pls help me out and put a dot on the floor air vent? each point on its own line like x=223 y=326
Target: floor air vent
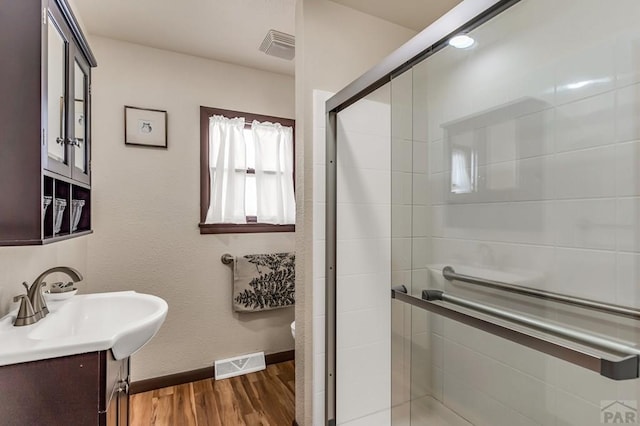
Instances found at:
x=239 y=365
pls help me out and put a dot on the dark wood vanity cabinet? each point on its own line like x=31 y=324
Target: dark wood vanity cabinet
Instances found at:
x=86 y=389
x=45 y=123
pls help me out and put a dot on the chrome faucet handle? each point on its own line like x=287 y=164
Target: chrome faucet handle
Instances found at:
x=26 y=315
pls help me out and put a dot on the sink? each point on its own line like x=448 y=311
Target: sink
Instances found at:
x=121 y=321
x=130 y=319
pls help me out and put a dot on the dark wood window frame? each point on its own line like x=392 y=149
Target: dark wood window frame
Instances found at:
x=205 y=190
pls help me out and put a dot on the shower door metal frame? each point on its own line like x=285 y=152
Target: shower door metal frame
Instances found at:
x=465 y=17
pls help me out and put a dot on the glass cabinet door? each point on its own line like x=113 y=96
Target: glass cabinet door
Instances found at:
x=68 y=82
x=56 y=132
x=80 y=119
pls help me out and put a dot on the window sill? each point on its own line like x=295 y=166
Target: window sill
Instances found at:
x=248 y=228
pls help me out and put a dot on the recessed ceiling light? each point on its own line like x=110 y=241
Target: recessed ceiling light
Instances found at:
x=461 y=41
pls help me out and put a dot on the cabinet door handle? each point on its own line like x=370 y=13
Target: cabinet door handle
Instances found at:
x=60 y=141
x=72 y=142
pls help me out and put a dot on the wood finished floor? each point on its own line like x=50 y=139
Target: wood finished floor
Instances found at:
x=262 y=398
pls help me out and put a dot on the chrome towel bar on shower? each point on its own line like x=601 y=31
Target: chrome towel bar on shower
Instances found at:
x=626 y=366
x=450 y=274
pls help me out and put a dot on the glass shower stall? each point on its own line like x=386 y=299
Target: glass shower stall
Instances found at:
x=483 y=222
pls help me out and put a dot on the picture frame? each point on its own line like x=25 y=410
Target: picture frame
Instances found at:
x=145 y=127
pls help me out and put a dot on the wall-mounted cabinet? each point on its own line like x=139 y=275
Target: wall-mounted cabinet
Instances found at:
x=45 y=123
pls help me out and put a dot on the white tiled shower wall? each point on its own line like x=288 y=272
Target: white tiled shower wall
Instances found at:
x=319 y=130
x=409 y=251
x=363 y=261
x=558 y=204
x=363 y=343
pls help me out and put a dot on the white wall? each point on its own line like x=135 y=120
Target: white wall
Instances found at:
x=334 y=46
x=146 y=204
x=18 y=264
x=557 y=204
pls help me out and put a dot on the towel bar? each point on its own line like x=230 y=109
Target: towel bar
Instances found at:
x=625 y=367
x=227 y=259
x=450 y=274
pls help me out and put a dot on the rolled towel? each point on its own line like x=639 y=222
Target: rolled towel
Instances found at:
x=263 y=282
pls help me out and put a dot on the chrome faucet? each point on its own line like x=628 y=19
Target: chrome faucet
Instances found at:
x=34 y=297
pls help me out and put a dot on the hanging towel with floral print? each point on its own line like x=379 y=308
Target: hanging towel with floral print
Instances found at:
x=263 y=281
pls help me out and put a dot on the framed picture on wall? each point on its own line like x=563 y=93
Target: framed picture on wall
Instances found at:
x=145 y=127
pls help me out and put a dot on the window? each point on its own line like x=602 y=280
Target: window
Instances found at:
x=246 y=172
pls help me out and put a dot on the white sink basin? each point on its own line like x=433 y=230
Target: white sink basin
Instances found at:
x=121 y=321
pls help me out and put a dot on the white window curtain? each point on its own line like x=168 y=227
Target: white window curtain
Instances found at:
x=460 y=179
x=227 y=170
x=274 y=173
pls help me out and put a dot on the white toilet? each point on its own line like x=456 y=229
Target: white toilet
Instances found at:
x=293 y=330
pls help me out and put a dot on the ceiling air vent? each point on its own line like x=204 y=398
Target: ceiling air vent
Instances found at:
x=279 y=44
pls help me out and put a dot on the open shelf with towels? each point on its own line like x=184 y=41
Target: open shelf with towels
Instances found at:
x=66 y=209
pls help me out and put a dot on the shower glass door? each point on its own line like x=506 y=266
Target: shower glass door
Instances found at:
x=515 y=161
